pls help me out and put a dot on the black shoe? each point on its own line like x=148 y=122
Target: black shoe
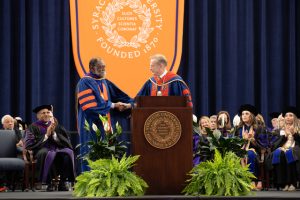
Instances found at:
x=62 y=187
x=50 y=188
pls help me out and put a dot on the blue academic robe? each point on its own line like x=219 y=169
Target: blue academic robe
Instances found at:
x=252 y=151
x=95 y=96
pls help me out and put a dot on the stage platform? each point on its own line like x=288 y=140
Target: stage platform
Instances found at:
x=261 y=195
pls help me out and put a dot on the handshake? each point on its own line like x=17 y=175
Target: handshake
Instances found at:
x=122 y=106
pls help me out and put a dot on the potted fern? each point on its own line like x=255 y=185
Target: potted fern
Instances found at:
x=110 y=177
x=110 y=170
x=223 y=176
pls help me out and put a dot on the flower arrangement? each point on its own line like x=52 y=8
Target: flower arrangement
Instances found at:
x=105 y=145
x=110 y=171
x=222 y=144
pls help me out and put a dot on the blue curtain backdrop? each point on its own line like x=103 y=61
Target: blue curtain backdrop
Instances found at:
x=36 y=59
x=242 y=51
x=234 y=52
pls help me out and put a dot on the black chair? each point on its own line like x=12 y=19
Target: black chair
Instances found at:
x=9 y=163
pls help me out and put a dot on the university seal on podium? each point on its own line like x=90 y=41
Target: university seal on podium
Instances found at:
x=162 y=129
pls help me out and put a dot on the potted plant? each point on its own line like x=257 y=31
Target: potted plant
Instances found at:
x=110 y=177
x=110 y=170
x=106 y=144
x=222 y=144
x=222 y=176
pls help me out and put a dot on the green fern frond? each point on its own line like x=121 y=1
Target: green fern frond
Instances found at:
x=224 y=176
x=228 y=183
x=110 y=177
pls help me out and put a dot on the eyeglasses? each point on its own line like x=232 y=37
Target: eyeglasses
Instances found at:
x=102 y=66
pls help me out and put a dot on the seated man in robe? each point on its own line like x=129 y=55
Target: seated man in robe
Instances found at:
x=51 y=147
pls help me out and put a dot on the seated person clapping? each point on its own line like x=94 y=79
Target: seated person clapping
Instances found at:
x=285 y=157
x=51 y=147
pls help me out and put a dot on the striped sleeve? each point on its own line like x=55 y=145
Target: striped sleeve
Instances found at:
x=186 y=92
x=86 y=99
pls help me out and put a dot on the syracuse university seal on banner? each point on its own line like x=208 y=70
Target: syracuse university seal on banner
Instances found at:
x=125 y=33
x=127 y=23
x=162 y=129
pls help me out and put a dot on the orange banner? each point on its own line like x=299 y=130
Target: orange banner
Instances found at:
x=125 y=33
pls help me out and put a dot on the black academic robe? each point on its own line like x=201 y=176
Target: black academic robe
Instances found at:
x=53 y=156
x=287 y=173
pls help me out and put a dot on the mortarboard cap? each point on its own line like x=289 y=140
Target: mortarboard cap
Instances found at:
x=274 y=115
x=291 y=109
x=249 y=108
x=37 y=109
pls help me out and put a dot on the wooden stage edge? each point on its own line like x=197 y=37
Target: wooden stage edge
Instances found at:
x=265 y=195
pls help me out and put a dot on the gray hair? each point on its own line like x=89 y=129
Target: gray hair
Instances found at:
x=5 y=117
x=94 y=61
x=161 y=59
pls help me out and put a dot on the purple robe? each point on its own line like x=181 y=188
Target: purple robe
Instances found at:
x=45 y=151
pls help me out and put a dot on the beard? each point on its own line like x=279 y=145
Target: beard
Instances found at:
x=102 y=74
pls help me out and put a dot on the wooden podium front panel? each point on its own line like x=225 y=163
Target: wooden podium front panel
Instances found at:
x=165 y=170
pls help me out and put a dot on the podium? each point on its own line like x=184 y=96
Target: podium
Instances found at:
x=162 y=136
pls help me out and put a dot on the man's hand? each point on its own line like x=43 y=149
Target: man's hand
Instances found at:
x=127 y=106
x=52 y=127
x=118 y=106
x=20 y=144
x=122 y=106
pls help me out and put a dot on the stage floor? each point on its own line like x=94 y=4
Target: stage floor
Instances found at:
x=266 y=195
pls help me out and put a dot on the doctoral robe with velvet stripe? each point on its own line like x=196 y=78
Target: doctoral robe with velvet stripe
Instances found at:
x=46 y=151
x=169 y=85
x=253 y=150
x=95 y=96
x=286 y=164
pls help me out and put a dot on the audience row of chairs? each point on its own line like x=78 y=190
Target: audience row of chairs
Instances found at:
x=10 y=165
x=15 y=167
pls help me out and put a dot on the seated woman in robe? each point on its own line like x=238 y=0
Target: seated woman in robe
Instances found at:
x=285 y=157
x=204 y=123
x=249 y=131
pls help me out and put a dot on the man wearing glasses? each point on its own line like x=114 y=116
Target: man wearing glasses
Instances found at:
x=51 y=147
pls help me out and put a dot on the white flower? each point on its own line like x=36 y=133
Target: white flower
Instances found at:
x=106 y=126
x=94 y=126
x=282 y=132
x=236 y=120
x=217 y=134
x=222 y=120
x=195 y=118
